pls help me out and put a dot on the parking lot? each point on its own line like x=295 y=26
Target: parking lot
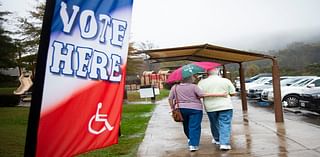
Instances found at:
x=292 y=113
x=300 y=95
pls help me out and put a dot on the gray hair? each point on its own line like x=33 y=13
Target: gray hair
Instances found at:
x=214 y=71
x=187 y=80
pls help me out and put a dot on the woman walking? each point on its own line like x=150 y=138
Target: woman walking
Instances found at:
x=188 y=95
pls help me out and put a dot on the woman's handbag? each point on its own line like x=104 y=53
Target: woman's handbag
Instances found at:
x=176 y=114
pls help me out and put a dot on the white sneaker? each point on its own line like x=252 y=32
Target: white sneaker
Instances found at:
x=193 y=148
x=225 y=147
x=215 y=142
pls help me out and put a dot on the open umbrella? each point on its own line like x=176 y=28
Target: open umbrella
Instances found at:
x=190 y=69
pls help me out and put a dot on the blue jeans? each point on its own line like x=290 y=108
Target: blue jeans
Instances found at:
x=220 y=124
x=192 y=125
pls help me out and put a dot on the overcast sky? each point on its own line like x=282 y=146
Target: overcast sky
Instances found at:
x=240 y=24
x=18 y=7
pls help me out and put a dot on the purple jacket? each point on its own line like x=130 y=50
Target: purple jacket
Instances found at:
x=188 y=95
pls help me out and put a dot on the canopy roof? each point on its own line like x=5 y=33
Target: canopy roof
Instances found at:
x=204 y=52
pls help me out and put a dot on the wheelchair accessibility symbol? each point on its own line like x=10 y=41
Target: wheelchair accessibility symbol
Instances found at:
x=99 y=118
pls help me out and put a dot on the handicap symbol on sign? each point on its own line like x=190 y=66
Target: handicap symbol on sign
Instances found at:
x=99 y=118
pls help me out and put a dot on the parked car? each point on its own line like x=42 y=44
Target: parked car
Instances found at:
x=258 y=82
x=256 y=92
x=251 y=79
x=290 y=95
x=310 y=100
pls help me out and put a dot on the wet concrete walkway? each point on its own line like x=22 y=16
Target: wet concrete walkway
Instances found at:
x=253 y=134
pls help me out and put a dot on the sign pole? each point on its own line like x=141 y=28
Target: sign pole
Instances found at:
x=34 y=113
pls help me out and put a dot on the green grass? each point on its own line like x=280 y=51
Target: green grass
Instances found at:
x=135 y=95
x=13 y=124
x=13 y=127
x=163 y=93
x=7 y=90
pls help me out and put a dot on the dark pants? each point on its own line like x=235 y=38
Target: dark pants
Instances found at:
x=192 y=125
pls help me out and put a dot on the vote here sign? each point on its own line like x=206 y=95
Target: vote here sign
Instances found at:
x=84 y=76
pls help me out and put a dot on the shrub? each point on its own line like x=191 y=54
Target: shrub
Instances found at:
x=8 y=81
x=167 y=85
x=9 y=100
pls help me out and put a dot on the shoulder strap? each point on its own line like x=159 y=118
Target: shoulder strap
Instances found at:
x=177 y=101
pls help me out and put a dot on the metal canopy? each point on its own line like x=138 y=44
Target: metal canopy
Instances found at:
x=204 y=52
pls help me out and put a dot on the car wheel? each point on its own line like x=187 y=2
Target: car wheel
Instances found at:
x=291 y=101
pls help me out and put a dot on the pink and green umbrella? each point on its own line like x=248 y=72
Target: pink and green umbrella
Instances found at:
x=190 y=69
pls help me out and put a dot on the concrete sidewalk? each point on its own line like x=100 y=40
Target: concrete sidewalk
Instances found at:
x=253 y=134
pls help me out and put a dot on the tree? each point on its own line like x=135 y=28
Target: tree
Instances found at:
x=252 y=70
x=30 y=32
x=7 y=53
x=313 y=69
x=30 y=29
x=147 y=45
x=299 y=55
x=134 y=62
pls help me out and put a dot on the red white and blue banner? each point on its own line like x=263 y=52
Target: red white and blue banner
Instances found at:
x=84 y=76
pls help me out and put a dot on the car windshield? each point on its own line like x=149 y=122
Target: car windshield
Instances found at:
x=281 y=80
x=262 y=80
x=302 y=83
x=289 y=81
x=269 y=82
x=254 y=78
